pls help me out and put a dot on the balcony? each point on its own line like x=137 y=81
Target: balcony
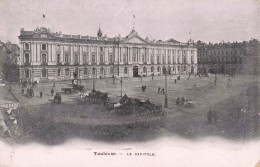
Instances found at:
x=93 y=63
x=111 y=63
x=76 y=64
x=27 y=64
x=59 y=64
x=101 y=63
x=44 y=64
x=66 y=64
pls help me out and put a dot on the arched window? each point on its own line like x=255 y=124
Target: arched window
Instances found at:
x=163 y=56
x=152 y=59
x=158 y=69
x=27 y=59
x=85 y=59
x=169 y=59
x=134 y=57
x=67 y=72
x=144 y=70
x=152 y=68
x=27 y=46
x=85 y=71
x=124 y=59
x=111 y=59
x=44 y=46
x=158 y=59
x=173 y=59
x=93 y=71
x=125 y=70
x=58 y=58
x=184 y=59
x=111 y=70
x=143 y=58
x=93 y=59
x=101 y=59
x=66 y=58
x=76 y=59
x=44 y=58
x=44 y=73
x=102 y=71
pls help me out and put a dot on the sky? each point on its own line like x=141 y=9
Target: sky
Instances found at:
x=207 y=20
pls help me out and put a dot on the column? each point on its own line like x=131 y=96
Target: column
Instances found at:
x=80 y=55
x=39 y=52
x=71 y=54
x=61 y=54
x=53 y=53
x=49 y=53
x=130 y=55
x=106 y=50
x=98 y=56
x=32 y=54
x=89 y=54
x=21 y=54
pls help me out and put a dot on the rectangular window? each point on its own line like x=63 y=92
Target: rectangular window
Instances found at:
x=27 y=73
x=44 y=73
x=67 y=72
x=44 y=46
x=58 y=72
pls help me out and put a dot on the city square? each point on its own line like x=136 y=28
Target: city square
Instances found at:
x=226 y=98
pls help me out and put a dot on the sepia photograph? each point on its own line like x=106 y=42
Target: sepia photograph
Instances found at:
x=115 y=83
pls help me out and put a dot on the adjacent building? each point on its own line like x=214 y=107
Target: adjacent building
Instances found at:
x=229 y=58
x=45 y=56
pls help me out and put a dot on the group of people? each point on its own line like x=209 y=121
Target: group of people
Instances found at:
x=160 y=90
x=212 y=117
x=30 y=91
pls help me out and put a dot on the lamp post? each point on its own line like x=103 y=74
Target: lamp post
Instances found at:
x=93 y=81
x=121 y=82
x=166 y=98
x=216 y=74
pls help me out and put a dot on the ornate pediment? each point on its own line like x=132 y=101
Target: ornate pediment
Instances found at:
x=135 y=40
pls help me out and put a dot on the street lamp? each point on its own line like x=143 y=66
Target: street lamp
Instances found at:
x=166 y=98
x=216 y=74
x=93 y=80
x=121 y=82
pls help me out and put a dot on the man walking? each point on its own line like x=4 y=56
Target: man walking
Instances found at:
x=52 y=91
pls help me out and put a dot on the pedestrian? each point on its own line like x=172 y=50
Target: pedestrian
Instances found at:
x=214 y=116
x=22 y=90
x=40 y=94
x=159 y=88
x=52 y=91
x=209 y=116
x=163 y=90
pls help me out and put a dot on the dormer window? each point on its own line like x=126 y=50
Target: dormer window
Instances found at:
x=27 y=46
x=44 y=46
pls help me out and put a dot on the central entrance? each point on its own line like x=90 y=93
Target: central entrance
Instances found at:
x=135 y=71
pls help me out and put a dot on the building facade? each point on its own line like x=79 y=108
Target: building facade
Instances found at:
x=55 y=56
x=229 y=58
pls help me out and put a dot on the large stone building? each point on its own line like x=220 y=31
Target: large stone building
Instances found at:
x=229 y=58
x=55 y=56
